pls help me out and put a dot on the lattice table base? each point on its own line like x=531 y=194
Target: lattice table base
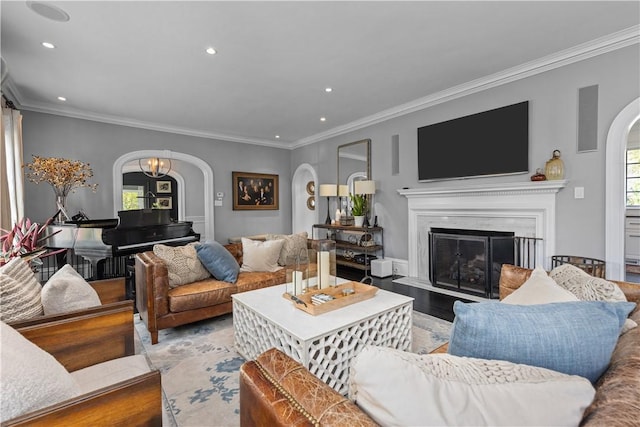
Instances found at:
x=328 y=355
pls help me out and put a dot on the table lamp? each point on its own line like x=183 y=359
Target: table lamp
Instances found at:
x=343 y=191
x=328 y=190
x=368 y=188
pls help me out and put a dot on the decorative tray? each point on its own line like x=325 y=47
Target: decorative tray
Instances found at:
x=339 y=299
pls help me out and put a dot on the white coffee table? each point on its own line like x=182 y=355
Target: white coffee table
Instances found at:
x=325 y=343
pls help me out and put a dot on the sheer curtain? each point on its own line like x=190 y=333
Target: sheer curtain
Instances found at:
x=11 y=177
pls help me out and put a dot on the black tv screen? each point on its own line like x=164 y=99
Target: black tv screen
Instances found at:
x=494 y=142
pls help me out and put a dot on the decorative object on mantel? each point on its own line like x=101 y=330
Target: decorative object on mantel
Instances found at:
x=554 y=168
x=155 y=167
x=538 y=176
x=64 y=175
x=25 y=240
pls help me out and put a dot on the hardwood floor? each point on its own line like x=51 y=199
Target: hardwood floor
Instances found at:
x=430 y=303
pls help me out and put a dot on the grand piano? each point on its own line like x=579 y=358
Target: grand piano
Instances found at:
x=134 y=231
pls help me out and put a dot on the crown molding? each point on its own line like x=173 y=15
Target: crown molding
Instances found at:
x=600 y=46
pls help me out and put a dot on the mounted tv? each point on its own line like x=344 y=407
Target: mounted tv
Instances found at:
x=494 y=142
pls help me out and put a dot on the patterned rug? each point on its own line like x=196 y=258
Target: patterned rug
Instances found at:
x=199 y=367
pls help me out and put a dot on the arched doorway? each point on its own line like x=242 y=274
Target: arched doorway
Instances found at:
x=119 y=168
x=615 y=190
x=302 y=217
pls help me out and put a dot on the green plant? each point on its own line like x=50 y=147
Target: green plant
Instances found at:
x=26 y=240
x=358 y=204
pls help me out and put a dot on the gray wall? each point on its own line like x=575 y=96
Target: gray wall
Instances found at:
x=101 y=144
x=553 y=122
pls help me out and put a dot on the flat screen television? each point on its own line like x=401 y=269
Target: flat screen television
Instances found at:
x=494 y=142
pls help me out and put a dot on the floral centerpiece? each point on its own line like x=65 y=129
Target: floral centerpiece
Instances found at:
x=64 y=175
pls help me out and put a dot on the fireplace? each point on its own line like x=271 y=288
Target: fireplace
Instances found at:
x=469 y=261
x=528 y=209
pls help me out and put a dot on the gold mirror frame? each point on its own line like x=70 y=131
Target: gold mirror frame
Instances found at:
x=350 y=153
x=311 y=203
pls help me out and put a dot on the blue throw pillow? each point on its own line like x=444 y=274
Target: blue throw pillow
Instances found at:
x=219 y=261
x=575 y=338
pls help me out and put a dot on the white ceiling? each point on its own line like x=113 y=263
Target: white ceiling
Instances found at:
x=143 y=63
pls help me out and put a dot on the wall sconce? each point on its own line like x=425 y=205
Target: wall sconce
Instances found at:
x=368 y=188
x=328 y=190
x=155 y=167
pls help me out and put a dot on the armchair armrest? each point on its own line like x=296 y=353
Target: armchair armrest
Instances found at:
x=136 y=401
x=77 y=341
x=110 y=290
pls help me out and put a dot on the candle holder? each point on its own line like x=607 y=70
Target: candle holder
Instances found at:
x=324 y=254
x=297 y=271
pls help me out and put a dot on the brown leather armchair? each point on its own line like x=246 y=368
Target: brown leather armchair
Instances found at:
x=77 y=341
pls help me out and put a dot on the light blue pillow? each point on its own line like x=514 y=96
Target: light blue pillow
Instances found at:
x=575 y=338
x=219 y=261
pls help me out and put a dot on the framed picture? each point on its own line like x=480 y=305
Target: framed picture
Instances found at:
x=164 y=202
x=254 y=191
x=163 y=186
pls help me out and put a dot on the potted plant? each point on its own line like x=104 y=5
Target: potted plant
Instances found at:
x=358 y=208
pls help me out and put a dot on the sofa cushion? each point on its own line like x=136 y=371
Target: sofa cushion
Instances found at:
x=66 y=291
x=19 y=292
x=260 y=256
x=218 y=261
x=539 y=289
x=295 y=245
x=182 y=263
x=203 y=293
x=110 y=372
x=441 y=389
x=31 y=378
x=575 y=338
x=588 y=288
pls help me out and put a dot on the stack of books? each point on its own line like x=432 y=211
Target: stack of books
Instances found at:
x=318 y=299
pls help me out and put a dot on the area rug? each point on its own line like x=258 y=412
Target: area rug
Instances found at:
x=199 y=367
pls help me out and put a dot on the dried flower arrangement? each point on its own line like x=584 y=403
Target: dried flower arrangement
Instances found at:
x=26 y=240
x=64 y=175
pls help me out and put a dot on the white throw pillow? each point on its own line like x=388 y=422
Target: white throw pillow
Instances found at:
x=588 y=288
x=442 y=389
x=539 y=289
x=295 y=245
x=31 y=378
x=19 y=292
x=66 y=291
x=260 y=256
x=182 y=263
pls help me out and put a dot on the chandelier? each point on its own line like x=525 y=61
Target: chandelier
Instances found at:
x=155 y=167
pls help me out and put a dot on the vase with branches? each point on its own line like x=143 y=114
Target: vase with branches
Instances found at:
x=64 y=176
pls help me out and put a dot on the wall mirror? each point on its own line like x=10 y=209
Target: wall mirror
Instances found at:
x=354 y=162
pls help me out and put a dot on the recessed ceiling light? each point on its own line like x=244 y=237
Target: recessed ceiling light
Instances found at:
x=211 y=51
x=49 y=11
x=48 y=45
x=277 y=136
x=62 y=98
x=323 y=119
x=328 y=89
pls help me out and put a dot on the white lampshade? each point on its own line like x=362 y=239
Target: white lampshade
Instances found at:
x=343 y=190
x=328 y=190
x=365 y=187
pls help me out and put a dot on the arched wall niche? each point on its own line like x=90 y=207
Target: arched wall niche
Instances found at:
x=120 y=166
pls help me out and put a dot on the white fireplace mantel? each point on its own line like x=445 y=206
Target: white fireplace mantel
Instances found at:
x=527 y=209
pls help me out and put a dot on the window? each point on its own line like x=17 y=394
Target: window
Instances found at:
x=633 y=177
x=132 y=197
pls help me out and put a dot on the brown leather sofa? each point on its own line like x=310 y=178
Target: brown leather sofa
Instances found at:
x=161 y=307
x=276 y=390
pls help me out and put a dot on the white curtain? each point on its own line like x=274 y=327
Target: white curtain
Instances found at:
x=11 y=176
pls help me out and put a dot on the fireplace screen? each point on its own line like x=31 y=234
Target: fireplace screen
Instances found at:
x=469 y=260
